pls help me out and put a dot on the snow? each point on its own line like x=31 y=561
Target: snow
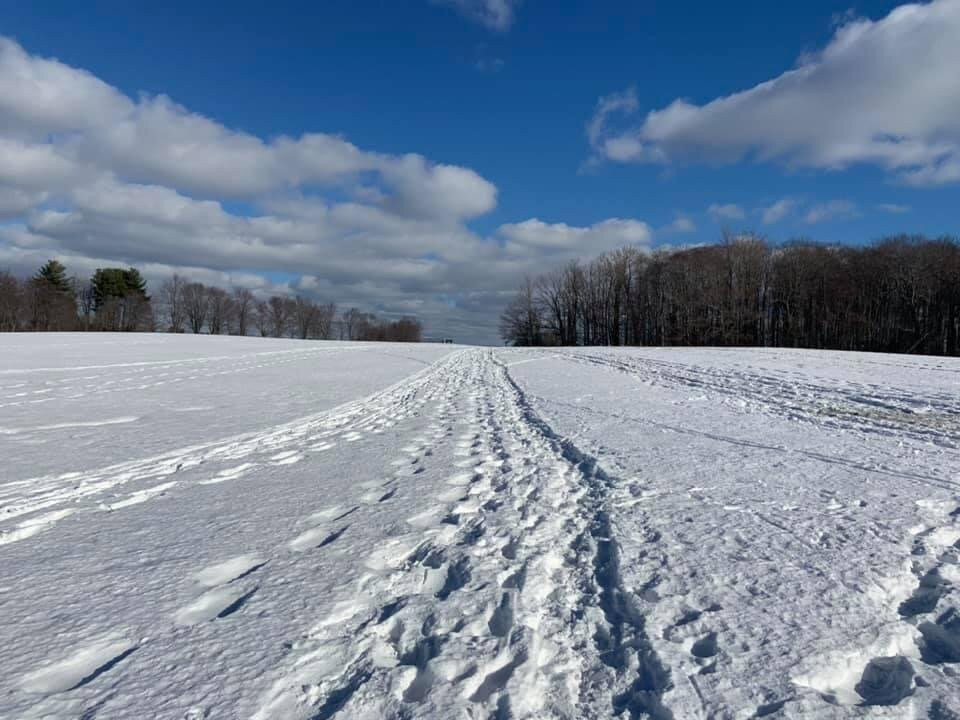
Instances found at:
x=206 y=527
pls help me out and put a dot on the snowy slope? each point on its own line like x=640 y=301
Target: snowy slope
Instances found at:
x=243 y=528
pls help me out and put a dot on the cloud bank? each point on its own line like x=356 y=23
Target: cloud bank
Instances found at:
x=882 y=93
x=95 y=177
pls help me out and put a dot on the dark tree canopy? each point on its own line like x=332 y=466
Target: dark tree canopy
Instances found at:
x=117 y=283
x=120 y=299
x=901 y=294
x=49 y=301
x=54 y=275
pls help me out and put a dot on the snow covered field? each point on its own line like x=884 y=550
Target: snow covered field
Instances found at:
x=206 y=527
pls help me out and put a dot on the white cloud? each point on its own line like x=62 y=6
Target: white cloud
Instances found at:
x=681 y=224
x=536 y=238
x=36 y=166
x=881 y=92
x=94 y=178
x=893 y=208
x=156 y=141
x=832 y=210
x=727 y=211
x=494 y=14
x=40 y=96
x=778 y=211
x=15 y=201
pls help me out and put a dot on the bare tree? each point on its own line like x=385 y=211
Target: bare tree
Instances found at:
x=901 y=294
x=406 y=329
x=520 y=322
x=85 y=300
x=172 y=303
x=219 y=308
x=263 y=318
x=304 y=317
x=279 y=315
x=11 y=303
x=325 y=317
x=196 y=305
x=243 y=306
x=350 y=324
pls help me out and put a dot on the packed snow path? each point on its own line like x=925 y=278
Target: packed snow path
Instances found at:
x=472 y=533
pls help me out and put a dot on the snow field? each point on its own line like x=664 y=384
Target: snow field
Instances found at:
x=465 y=532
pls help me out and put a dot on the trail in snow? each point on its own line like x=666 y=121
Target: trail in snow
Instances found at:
x=771 y=550
x=525 y=534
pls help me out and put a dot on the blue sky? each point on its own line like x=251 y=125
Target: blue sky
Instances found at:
x=504 y=91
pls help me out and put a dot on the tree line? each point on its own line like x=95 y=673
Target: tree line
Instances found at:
x=116 y=299
x=901 y=294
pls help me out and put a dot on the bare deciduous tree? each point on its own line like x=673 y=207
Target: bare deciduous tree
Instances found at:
x=219 y=309
x=279 y=315
x=172 y=303
x=243 y=306
x=263 y=319
x=196 y=305
x=901 y=294
x=11 y=303
x=304 y=315
x=521 y=322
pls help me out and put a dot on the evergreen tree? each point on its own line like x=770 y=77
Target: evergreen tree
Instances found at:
x=135 y=282
x=120 y=298
x=52 y=305
x=54 y=274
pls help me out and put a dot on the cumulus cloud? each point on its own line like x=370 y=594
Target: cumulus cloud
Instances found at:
x=155 y=140
x=778 y=211
x=536 y=238
x=95 y=178
x=727 y=211
x=832 y=210
x=494 y=14
x=881 y=92
x=680 y=224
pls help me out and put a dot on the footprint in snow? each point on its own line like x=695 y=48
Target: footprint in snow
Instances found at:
x=286 y=458
x=80 y=668
x=217 y=603
x=228 y=571
x=705 y=647
x=316 y=538
x=225 y=598
x=229 y=474
x=140 y=496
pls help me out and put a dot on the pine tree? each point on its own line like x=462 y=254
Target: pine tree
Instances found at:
x=108 y=284
x=54 y=274
x=52 y=305
x=135 y=282
x=120 y=298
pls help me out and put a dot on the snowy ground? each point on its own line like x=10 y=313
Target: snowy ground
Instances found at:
x=244 y=528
